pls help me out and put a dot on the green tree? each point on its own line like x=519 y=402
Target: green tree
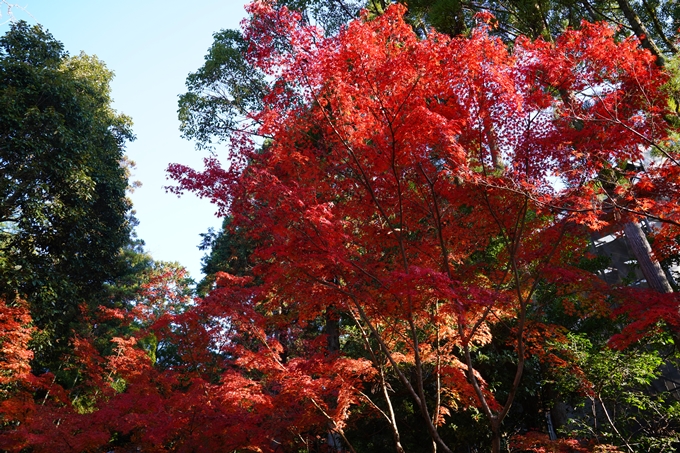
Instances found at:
x=620 y=396
x=228 y=251
x=64 y=214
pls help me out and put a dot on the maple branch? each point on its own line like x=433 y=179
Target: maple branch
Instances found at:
x=613 y=118
x=391 y=418
x=512 y=242
x=519 y=226
x=375 y=406
x=501 y=228
x=414 y=333
x=401 y=105
x=54 y=380
x=366 y=273
x=366 y=183
x=556 y=207
x=438 y=401
x=419 y=394
x=495 y=419
x=365 y=180
x=436 y=212
x=438 y=223
x=611 y=423
x=473 y=379
x=414 y=394
x=643 y=213
x=334 y=426
x=364 y=177
x=522 y=320
x=465 y=339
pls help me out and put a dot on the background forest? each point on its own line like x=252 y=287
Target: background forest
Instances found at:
x=447 y=226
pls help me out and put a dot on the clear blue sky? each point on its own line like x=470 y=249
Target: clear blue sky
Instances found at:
x=151 y=45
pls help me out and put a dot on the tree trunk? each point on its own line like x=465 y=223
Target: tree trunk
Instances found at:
x=333 y=439
x=651 y=269
x=496 y=439
x=641 y=31
x=332 y=331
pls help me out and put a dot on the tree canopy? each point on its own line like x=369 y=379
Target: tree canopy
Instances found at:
x=64 y=214
x=427 y=190
x=413 y=202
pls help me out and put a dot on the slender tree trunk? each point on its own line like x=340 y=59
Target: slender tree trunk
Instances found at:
x=392 y=417
x=651 y=269
x=334 y=438
x=641 y=31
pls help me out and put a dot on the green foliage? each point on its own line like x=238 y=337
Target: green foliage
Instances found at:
x=228 y=251
x=446 y=16
x=221 y=93
x=64 y=215
x=329 y=15
x=621 y=401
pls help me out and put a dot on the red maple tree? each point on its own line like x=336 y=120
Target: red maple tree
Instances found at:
x=423 y=190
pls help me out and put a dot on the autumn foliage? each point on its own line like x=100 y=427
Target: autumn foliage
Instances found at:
x=414 y=202
x=426 y=190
